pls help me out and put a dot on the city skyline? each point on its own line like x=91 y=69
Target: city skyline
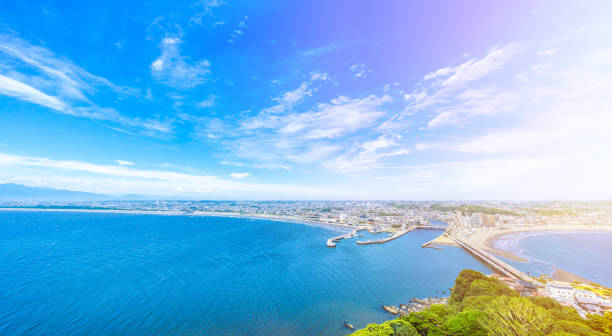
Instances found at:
x=230 y=100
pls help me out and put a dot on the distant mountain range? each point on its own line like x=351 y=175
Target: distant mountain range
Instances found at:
x=17 y=192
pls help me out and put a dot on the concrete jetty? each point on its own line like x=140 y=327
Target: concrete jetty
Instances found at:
x=492 y=261
x=394 y=236
x=331 y=242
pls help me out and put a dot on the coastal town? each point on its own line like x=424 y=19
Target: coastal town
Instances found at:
x=472 y=226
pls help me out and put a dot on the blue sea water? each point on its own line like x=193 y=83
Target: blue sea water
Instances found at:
x=587 y=254
x=69 y=273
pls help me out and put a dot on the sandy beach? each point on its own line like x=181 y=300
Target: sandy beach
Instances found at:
x=486 y=239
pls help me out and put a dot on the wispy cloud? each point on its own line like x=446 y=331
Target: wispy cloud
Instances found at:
x=360 y=70
x=285 y=102
x=320 y=51
x=453 y=94
x=475 y=68
x=239 y=31
x=36 y=75
x=208 y=102
x=17 y=89
x=204 y=10
x=367 y=155
x=175 y=70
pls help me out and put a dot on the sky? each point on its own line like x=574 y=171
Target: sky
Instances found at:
x=223 y=99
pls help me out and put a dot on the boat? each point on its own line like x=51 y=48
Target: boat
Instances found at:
x=348 y=326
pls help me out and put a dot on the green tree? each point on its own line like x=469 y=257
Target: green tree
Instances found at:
x=466 y=323
x=463 y=282
x=515 y=316
x=395 y=327
x=427 y=323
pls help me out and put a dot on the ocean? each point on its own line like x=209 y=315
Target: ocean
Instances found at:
x=71 y=273
x=584 y=253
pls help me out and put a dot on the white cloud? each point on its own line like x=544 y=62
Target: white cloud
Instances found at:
x=174 y=70
x=17 y=89
x=239 y=176
x=124 y=163
x=473 y=103
x=208 y=102
x=475 y=68
x=367 y=155
x=237 y=33
x=206 y=8
x=282 y=136
x=340 y=116
x=360 y=70
x=269 y=116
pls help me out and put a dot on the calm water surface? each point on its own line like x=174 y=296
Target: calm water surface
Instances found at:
x=587 y=254
x=120 y=274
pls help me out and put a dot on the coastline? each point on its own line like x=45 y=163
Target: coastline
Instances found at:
x=486 y=239
x=196 y=214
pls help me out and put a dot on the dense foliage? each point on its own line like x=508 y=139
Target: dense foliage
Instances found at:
x=482 y=306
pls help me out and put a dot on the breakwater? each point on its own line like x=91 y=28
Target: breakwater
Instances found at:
x=390 y=238
x=331 y=242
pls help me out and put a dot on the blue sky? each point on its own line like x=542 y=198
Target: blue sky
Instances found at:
x=311 y=100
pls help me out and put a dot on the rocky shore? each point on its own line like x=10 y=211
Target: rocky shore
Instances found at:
x=414 y=305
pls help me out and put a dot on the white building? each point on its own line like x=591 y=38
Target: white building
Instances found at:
x=560 y=292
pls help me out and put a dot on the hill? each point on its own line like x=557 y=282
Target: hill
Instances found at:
x=17 y=192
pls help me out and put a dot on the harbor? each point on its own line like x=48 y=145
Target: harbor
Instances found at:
x=393 y=235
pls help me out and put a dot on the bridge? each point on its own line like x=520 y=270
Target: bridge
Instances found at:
x=492 y=261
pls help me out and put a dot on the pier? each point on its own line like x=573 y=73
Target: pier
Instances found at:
x=331 y=242
x=495 y=263
x=394 y=236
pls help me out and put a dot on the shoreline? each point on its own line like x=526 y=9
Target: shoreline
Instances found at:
x=194 y=214
x=486 y=240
